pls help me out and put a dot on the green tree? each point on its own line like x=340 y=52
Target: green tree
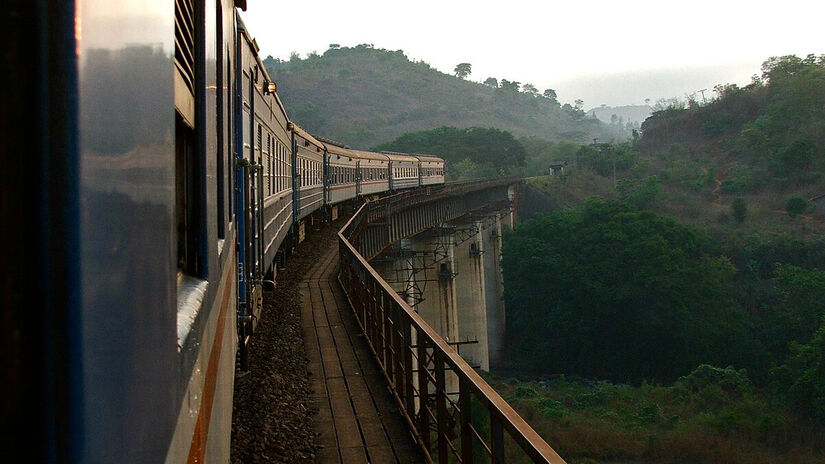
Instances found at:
x=495 y=151
x=610 y=292
x=641 y=193
x=463 y=70
x=512 y=86
x=530 y=88
x=802 y=377
x=491 y=81
x=796 y=205
x=739 y=209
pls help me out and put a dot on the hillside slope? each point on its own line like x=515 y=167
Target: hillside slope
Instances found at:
x=761 y=147
x=364 y=96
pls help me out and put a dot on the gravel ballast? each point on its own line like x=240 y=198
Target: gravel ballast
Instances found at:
x=272 y=416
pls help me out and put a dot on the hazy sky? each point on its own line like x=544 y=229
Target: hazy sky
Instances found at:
x=609 y=52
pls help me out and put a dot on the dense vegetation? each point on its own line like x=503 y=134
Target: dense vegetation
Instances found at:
x=364 y=96
x=609 y=292
x=712 y=416
x=613 y=289
x=469 y=153
x=749 y=161
x=606 y=291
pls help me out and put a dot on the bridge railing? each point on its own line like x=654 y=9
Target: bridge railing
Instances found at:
x=453 y=413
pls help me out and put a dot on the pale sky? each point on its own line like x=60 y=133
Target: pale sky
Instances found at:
x=609 y=52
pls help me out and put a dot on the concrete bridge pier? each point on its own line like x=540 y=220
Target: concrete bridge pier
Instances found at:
x=451 y=275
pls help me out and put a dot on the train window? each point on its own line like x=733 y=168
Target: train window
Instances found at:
x=221 y=151
x=272 y=168
x=230 y=189
x=258 y=146
x=187 y=198
x=279 y=167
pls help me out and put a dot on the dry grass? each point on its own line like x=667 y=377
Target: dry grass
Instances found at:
x=603 y=423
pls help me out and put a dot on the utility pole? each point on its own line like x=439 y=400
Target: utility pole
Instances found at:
x=703 y=96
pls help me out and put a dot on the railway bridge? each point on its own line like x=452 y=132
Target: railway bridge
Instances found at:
x=395 y=339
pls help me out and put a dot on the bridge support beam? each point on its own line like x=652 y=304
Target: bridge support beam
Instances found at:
x=451 y=275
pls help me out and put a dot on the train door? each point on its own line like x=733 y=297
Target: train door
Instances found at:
x=359 y=178
x=246 y=202
x=296 y=187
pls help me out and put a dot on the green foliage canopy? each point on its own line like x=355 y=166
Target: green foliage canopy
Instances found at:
x=492 y=150
x=606 y=291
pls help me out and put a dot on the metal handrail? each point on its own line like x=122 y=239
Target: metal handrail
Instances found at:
x=399 y=338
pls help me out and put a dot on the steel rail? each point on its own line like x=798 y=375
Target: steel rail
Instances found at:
x=399 y=339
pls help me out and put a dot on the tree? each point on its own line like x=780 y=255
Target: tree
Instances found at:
x=463 y=70
x=579 y=103
x=650 y=301
x=530 y=88
x=510 y=85
x=491 y=81
x=491 y=151
x=549 y=93
x=334 y=46
x=640 y=193
x=796 y=205
x=740 y=209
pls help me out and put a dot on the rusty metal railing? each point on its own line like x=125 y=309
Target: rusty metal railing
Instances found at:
x=453 y=413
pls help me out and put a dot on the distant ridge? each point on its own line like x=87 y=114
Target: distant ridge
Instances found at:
x=365 y=96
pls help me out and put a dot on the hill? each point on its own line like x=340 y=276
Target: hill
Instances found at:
x=759 y=148
x=628 y=114
x=365 y=96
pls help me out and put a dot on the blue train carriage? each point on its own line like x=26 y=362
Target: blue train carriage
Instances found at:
x=403 y=170
x=430 y=170
x=372 y=173
x=341 y=175
x=308 y=199
x=135 y=311
x=263 y=183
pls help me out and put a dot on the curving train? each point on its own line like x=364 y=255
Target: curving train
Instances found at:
x=169 y=185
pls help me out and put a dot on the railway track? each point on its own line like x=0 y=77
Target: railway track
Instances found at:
x=358 y=421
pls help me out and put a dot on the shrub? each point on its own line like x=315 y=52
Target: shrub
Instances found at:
x=796 y=205
x=739 y=209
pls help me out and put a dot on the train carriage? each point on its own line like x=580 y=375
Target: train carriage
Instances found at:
x=308 y=155
x=162 y=201
x=268 y=158
x=403 y=170
x=372 y=173
x=430 y=170
x=341 y=172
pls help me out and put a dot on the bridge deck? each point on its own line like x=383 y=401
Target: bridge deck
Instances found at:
x=358 y=419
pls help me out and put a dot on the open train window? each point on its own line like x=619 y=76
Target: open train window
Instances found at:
x=189 y=137
x=219 y=102
x=187 y=198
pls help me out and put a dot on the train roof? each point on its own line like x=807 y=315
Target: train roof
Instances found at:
x=306 y=135
x=396 y=156
x=429 y=158
x=267 y=78
x=371 y=155
x=334 y=149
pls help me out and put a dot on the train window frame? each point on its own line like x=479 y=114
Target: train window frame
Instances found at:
x=219 y=116
x=192 y=219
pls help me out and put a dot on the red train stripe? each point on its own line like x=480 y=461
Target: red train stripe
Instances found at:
x=197 y=449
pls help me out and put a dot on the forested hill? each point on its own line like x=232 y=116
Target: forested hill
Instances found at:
x=365 y=96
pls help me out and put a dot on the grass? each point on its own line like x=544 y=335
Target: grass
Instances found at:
x=706 y=207
x=713 y=423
